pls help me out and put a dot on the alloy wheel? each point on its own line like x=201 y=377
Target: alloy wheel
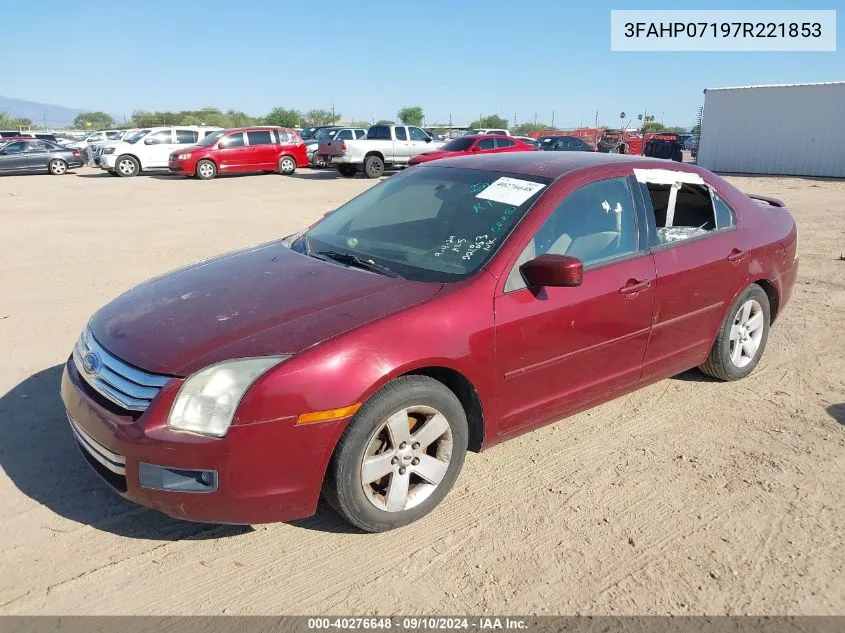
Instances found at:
x=406 y=458
x=746 y=333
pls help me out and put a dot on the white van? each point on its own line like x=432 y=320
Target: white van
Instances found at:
x=149 y=148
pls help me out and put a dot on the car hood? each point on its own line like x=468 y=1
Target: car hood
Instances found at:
x=422 y=158
x=261 y=301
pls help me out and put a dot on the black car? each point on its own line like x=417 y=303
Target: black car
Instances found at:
x=37 y=156
x=666 y=146
x=308 y=133
x=563 y=144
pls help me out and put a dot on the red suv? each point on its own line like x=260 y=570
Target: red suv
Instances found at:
x=239 y=150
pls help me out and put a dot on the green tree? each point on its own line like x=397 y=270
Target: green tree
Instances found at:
x=654 y=126
x=696 y=130
x=362 y=124
x=411 y=115
x=490 y=121
x=11 y=123
x=320 y=117
x=524 y=129
x=283 y=116
x=93 y=121
x=385 y=122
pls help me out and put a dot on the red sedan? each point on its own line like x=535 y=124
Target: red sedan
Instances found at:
x=475 y=144
x=241 y=150
x=446 y=309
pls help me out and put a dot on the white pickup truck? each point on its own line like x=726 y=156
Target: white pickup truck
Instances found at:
x=385 y=147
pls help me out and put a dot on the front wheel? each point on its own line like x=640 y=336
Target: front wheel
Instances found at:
x=399 y=456
x=287 y=165
x=347 y=171
x=742 y=337
x=57 y=167
x=127 y=166
x=206 y=170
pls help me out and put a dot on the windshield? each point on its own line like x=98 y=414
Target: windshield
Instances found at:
x=325 y=135
x=307 y=133
x=458 y=145
x=211 y=139
x=428 y=224
x=136 y=136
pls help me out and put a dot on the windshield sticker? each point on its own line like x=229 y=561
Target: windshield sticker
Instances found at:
x=510 y=191
x=453 y=244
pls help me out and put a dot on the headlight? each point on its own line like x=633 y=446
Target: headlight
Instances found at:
x=184 y=156
x=108 y=150
x=207 y=401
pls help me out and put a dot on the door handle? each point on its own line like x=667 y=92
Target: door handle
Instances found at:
x=634 y=286
x=736 y=255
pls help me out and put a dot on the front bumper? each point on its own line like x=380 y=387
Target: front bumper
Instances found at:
x=262 y=473
x=181 y=168
x=108 y=161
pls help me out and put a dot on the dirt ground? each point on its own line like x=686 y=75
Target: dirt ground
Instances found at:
x=690 y=496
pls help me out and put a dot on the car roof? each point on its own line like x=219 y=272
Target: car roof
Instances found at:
x=255 y=127
x=556 y=164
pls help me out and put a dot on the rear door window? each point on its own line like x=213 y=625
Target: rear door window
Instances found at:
x=504 y=142
x=260 y=137
x=345 y=135
x=486 y=143
x=401 y=135
x=360 y=134
x=186 y=137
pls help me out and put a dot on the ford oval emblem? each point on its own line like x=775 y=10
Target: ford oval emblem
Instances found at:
x=90 y=363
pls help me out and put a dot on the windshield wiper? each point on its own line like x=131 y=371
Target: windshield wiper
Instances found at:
x=353 y=260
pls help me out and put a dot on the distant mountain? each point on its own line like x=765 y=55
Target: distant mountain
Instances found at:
x=56 y=116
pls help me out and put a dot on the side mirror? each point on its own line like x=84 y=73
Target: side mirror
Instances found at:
x=221 y=146
x=553 y=270
x=149 y=141
x=475 y=148
x=3 y=152
x=428 y=139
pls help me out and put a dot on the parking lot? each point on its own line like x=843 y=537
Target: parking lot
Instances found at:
x=690 y=496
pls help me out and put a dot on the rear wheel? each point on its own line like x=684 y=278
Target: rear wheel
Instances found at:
x=287 y=165
x=399 y=456
x=347 y=171
x=206 y=170
x=742 y=337
x=127 y=166
x=57 y=167
x=373 y=167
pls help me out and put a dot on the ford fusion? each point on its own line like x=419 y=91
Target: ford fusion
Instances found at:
x=444 y=310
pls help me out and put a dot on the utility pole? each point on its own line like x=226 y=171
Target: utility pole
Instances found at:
x=535 y=117
x=333 y=116
x=597 y=119
x=553 y=119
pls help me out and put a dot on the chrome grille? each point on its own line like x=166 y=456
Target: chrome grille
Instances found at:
x=115 y=462
x=126 y=386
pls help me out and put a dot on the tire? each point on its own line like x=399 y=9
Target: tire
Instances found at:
x=127 y=166
x=742 y=338
x=373 y=167
x=287 y=165
x=347 y=171
x=57 y=167
x=381 y=433
x=206 y=169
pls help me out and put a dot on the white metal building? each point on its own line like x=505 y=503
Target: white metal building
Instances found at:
x=791 y=129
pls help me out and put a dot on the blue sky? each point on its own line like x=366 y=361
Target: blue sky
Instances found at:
x=371 y=58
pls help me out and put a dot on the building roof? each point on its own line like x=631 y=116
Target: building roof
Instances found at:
x=821 y=83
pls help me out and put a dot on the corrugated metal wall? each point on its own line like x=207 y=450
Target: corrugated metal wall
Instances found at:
x=785 y=130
